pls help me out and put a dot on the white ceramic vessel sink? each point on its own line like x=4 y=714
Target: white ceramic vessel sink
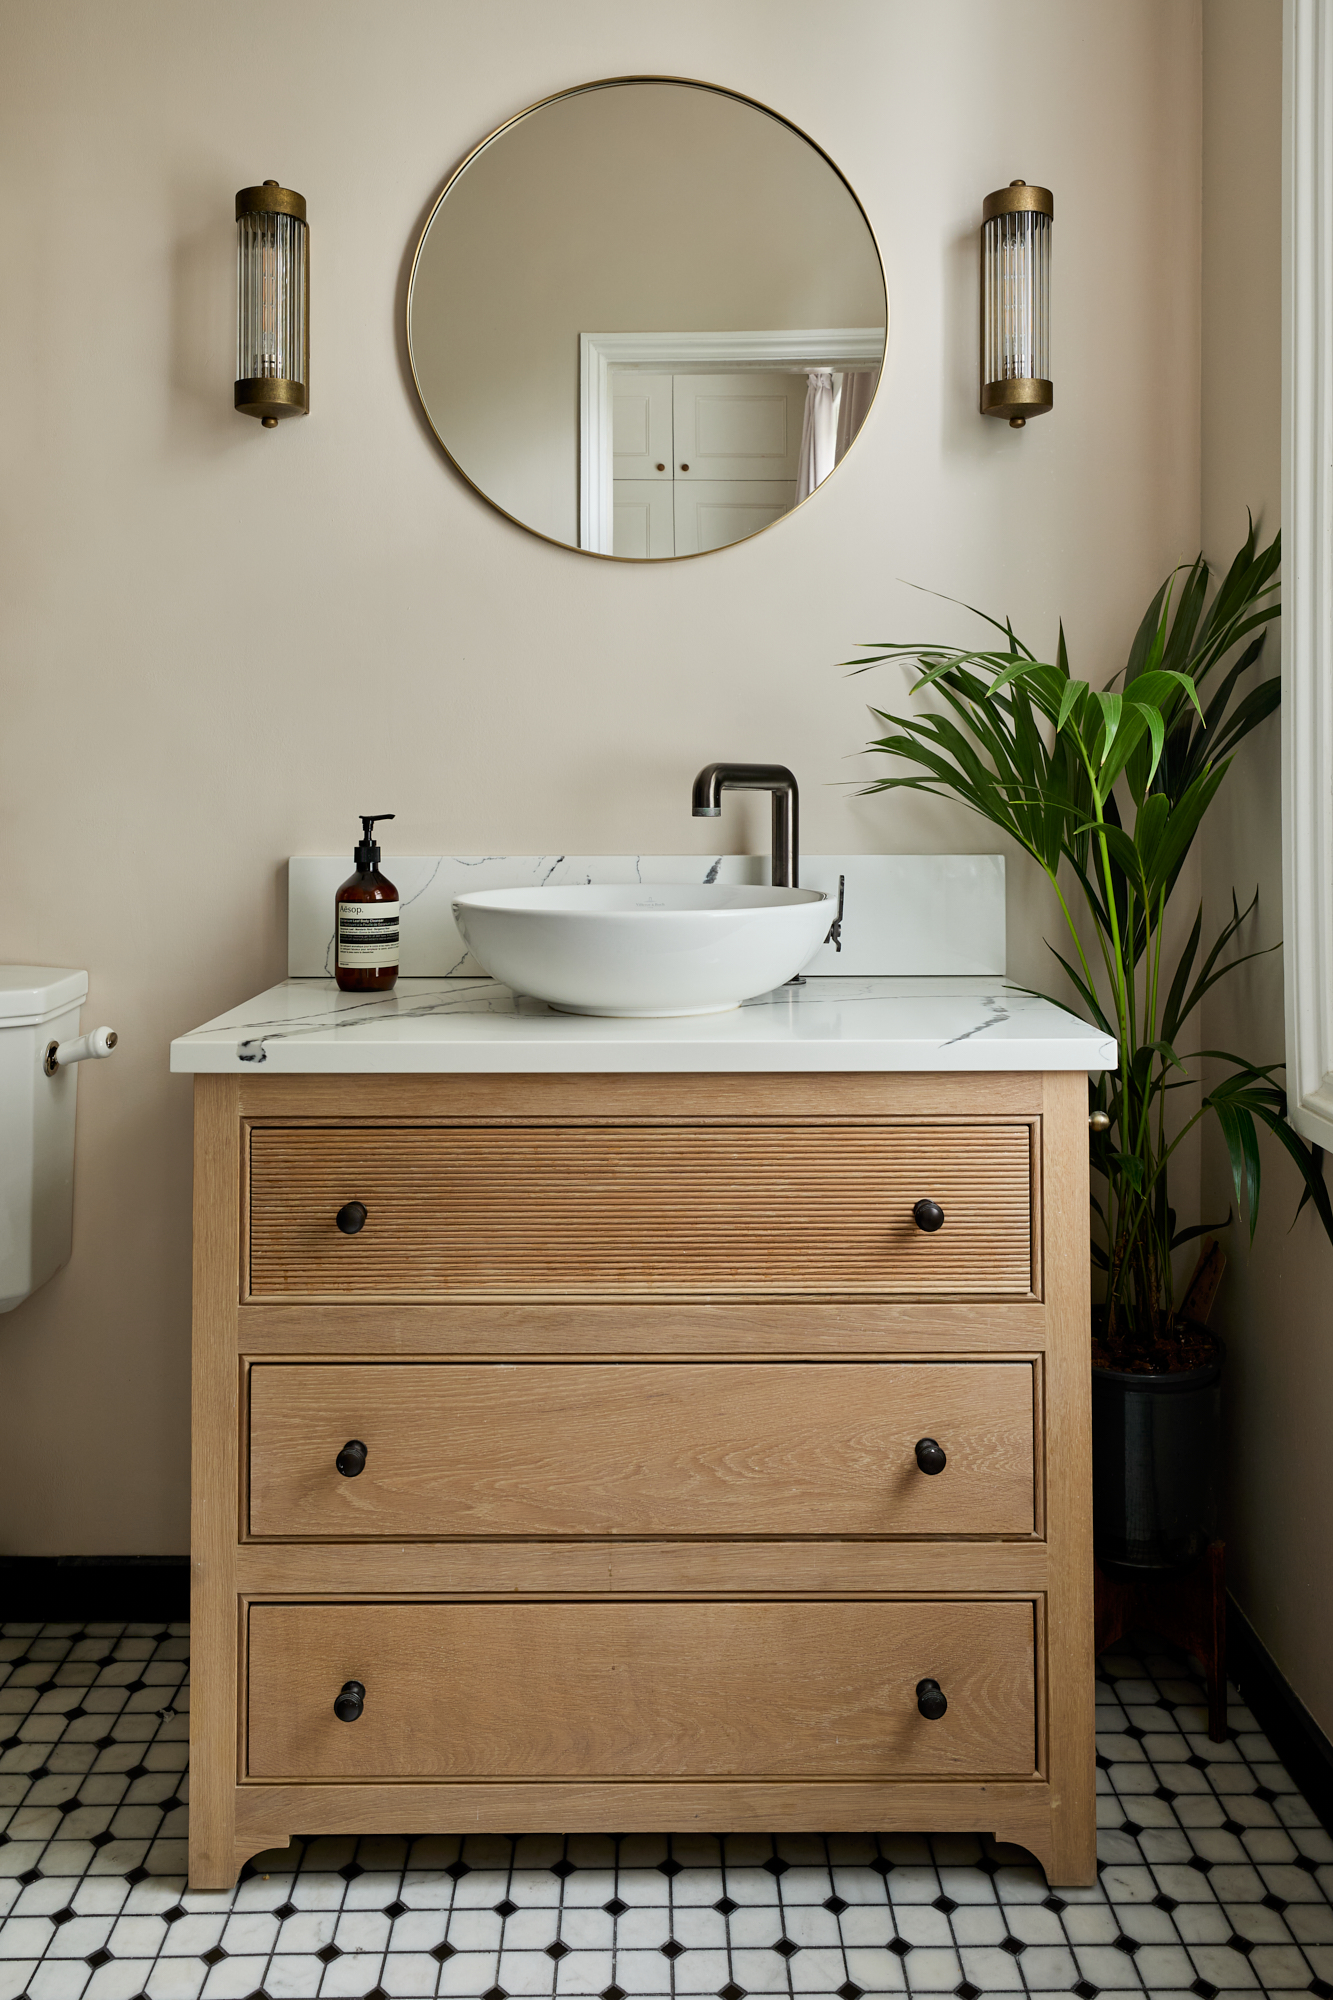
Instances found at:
x=650 y=952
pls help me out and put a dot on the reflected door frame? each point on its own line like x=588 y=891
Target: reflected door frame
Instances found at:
x=838 y=347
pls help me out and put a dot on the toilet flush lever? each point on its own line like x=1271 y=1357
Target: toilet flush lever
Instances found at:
x=87 y=1048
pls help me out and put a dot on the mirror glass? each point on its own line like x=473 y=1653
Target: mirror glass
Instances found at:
x=646 y=318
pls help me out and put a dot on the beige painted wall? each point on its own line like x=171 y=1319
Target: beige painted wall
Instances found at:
x=220 y=643
x=648 y=209
x=1273 y=1309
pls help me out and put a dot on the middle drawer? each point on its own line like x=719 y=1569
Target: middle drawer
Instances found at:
x=462 y=1449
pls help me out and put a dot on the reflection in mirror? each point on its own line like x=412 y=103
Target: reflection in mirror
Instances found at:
x=646 y=318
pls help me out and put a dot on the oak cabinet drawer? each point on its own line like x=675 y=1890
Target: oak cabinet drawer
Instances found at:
x=649 y=1689
x=675 y=1449
x=640 y=1212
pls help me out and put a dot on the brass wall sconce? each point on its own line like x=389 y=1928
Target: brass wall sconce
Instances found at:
x=1016 y=303
x=272 y=304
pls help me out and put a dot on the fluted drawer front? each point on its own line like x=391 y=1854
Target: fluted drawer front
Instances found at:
x=650 y=1689
x=639 y=1212
x=640 y=1449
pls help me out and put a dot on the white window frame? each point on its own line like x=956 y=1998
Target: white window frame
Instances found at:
x=840 y=347
x=1307 y=563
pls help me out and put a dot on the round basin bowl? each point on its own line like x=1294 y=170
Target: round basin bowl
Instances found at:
x=643 y=953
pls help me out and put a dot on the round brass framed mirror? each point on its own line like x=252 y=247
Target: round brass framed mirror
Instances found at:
x=646 y=318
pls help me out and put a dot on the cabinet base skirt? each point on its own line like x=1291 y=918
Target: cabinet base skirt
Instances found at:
x=268 y=1816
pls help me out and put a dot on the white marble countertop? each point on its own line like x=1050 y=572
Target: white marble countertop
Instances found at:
x=307 y=1027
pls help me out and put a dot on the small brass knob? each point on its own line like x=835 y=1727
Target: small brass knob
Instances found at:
x=1099 y=1122
x=684 y=468
x=661 y=468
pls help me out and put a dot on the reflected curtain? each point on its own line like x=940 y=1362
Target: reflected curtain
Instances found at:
x=818 y=434
x=858 y=392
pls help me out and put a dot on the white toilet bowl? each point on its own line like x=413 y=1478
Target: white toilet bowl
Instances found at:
x=39 y=1004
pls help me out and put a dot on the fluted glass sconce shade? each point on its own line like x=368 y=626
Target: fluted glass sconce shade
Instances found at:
x=1016 y=303
x=272 y=304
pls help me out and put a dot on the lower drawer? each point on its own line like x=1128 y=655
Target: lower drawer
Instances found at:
x=650 y=1689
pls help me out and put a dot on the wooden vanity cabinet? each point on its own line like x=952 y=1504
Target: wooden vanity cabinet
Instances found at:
x=697 y=1485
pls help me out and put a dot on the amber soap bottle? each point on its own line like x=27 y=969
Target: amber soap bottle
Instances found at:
x=365 y=914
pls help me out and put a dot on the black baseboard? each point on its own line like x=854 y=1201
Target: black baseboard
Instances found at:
x=94 y=1590
x=1280 y=1713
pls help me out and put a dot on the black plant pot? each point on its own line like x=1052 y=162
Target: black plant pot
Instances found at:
x=1155 y=1448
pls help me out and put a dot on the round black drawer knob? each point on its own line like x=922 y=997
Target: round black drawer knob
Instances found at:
x=927 y=1215
x=929 y=1456
x=351 y=1218
x=929 y=1699
x=351 y=1460
x=352 y=1699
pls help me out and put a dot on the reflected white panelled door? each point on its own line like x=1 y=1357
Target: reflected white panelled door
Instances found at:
x=702 y=460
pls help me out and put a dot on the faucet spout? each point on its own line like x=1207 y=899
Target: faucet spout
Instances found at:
x=706 y=803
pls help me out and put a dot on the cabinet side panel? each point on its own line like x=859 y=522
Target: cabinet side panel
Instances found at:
x=214 y=1496
x=1068 y=1480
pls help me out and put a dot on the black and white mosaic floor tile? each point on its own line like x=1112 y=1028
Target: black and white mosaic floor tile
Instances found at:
x=1216 y=1878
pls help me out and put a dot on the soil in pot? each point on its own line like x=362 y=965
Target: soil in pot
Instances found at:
x=1155 y=1443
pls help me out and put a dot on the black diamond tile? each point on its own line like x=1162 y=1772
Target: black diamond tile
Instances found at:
x=725 y=1905
x=137 y=1771
x=837 y=1905
x=1321 y=1989
x=351 y=1870
x=776 y=1865
x=899 y=1947
x=614 y=1992
x=1232 y=1826
x=458 y=1869
x=394 y=1909
x=1014 y=1946
x=442 y=1951
x=375 y=1993
x=1198 y=1763
x=1056 y=1903
x=1126 y=1944
x=1201 y=1865
x=135 y=1687
x=101 y=1840
x=1164 y=1902
x=672 y=1948
x=1131 y=1827
x=785 y=1948
x=615 y=1908
x=967 y=1991
x=849 y=1990
x=1241 y=1944
x=101 y=1743
x=1132 y=1729
x=1265 y=1793
x=731 y=1991
x=1103 y=1763
x=328 y=1952
x=945 y=1904
x=133 y=1875
x=670 y=1867
x=504 y=1908
x=213 y=1957
x=1272 y=1902
x=285 y=1910
x=557 y=1951
x=1086 y=1990
x=495 y=1993
x=988 y=1865
x=65 y=1916
x=882 y=1866
x=1304 y=1861
x=1204 y=1988
x=96 y=1958
x=173 y=1915
x=1165 y=1792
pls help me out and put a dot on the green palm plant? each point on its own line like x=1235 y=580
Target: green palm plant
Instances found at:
x=1106 y=789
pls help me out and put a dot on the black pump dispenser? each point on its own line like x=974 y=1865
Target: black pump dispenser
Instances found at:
x=367 y=850
x=366 y=913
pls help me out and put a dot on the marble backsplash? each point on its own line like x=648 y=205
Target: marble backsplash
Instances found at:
x=904 y=915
